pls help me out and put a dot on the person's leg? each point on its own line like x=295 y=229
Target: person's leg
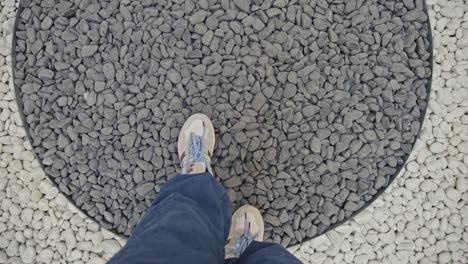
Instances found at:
x=187 y=223
x=189 y=220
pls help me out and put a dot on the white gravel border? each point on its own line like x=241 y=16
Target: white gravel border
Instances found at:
x=422 y=218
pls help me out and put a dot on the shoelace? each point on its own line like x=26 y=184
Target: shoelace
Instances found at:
x=242 y=241
x=196 y=152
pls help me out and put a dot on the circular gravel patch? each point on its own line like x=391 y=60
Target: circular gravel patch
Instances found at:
x=317 y=104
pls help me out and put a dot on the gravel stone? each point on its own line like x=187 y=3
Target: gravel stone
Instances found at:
x=45 y=74
x=243 y=5
x=290 y=90
x=214 y=69
x=46 y=23
x=89 y=50
x=258 y=101
x=174 y=76
x=109 y=71
x=145 y=188
x=198 y=17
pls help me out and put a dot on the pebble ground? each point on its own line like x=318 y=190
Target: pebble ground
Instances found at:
x=314 y=115
x=422 y=218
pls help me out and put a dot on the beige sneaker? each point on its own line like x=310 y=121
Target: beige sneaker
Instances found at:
x=196 y=144
x=247 y=226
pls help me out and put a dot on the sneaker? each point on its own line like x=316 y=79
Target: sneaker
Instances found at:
x=247 y=226
x=196 y=144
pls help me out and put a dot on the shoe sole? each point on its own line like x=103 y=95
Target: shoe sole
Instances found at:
x=184 y=135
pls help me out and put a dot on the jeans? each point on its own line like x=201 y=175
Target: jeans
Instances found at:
x=189 y=222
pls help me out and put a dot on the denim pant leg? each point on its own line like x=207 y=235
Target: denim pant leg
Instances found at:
x=188 y=223
x=265 y=253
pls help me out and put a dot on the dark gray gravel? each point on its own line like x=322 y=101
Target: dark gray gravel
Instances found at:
x=316 y=103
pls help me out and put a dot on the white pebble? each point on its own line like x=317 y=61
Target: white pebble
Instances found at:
x=462 y=184
x=28 y=255
x=437 y=147
x=453 y=194
x=110 y=246
x=26 y=215
x=96 y=260
x=69 y=238
x=3 y=256
x=46 y=255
